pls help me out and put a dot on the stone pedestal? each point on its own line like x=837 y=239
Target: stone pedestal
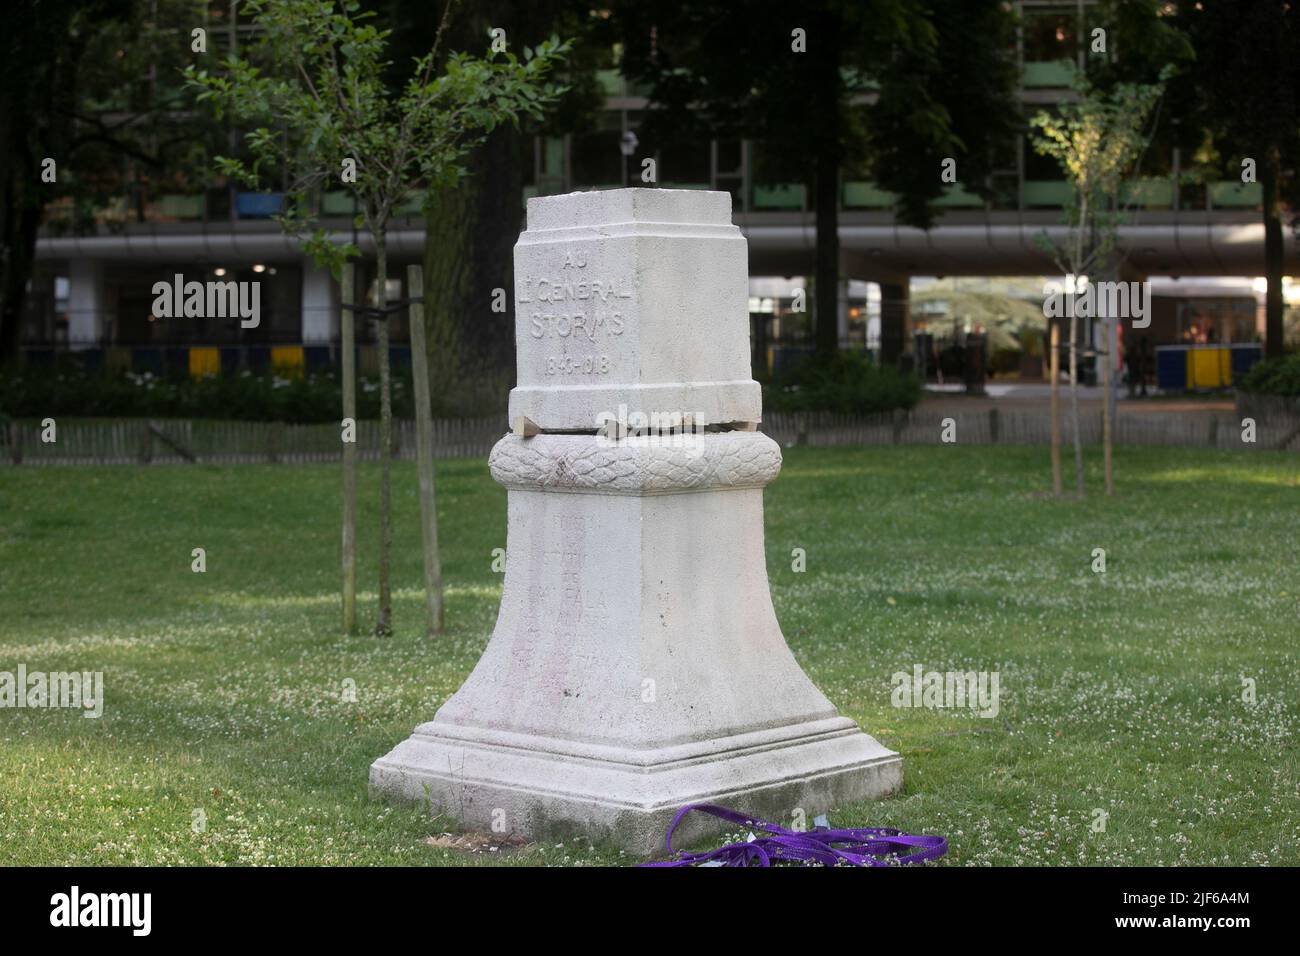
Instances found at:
x=637 y=664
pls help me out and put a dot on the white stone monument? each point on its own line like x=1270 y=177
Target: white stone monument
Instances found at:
x=637 y=664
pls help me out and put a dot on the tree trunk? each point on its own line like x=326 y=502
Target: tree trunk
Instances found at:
x=449 y=263
x=17 y=256
x=1112 y=396
x=470 y=232
x=424 y=455
x=22 y=195
x=1054 y=371
x=828 y=252
x=39 y=77
x=1076 y=267
x=1273 y=329
x=347 y=335
x=384 y=622
x=1107 y=353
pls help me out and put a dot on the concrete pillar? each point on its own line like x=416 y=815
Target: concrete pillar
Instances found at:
x=86 y=303
x=637 y=664
x=320 y=306
x=895 y=322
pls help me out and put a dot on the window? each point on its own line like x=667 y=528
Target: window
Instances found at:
x=1050 y=34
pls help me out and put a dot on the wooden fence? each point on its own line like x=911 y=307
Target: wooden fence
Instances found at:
x=175 y=441
x=224 y=442
x=1031 y=427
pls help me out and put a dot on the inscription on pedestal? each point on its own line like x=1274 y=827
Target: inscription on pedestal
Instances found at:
x=579 y=312
x=637 y=299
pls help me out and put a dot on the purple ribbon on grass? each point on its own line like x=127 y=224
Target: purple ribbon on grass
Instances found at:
x=857 y=846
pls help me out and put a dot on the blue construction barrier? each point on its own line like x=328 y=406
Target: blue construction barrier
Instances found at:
x=317 y=358
x=258 y=205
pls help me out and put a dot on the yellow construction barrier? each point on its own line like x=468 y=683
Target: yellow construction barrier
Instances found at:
x=1209 y=368
x=205 y=362
x=287 y=360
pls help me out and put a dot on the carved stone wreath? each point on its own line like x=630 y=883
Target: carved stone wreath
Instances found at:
x=638 y=465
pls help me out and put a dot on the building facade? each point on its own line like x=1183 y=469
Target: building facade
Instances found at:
x=92 y=294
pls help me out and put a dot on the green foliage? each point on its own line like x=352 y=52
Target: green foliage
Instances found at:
x=1097 y=141
x=1243 y=98
x=1275 y=376
x=120 y=125
x=845 y=382
x=947 y=89
x=85 y=84
x=315 y=82
x=940 y=74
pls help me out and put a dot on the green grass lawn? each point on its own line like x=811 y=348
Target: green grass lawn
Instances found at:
x=1120 y=692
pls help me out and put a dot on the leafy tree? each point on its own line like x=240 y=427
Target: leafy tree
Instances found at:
x=316 y=83
x=1244 y=94
x=1097 y=141
x=470 y=230
x=892 y=87
x=90 y=85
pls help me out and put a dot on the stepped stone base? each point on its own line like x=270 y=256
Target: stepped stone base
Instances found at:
x=637 y=664
x=545 y=789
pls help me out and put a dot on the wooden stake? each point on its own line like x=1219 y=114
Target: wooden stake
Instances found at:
x=1054 y=373
x=347 y=334
x=1107 y=356
x=424 y=452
